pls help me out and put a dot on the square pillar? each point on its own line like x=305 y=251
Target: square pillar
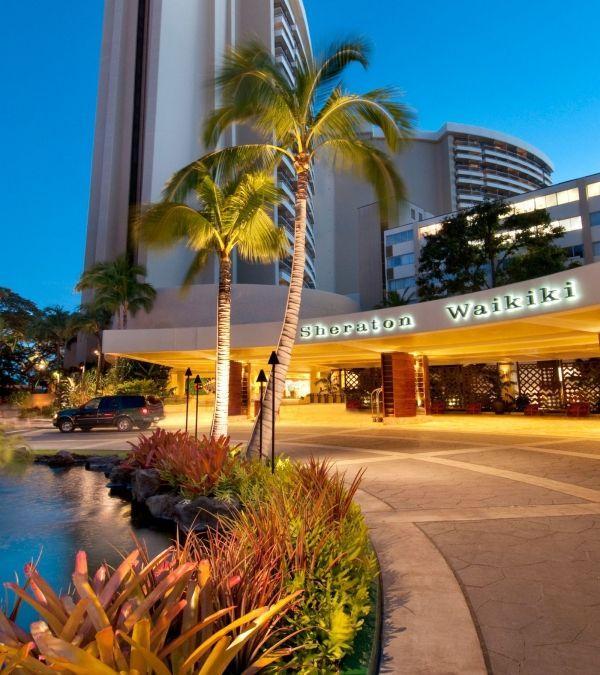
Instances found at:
x=235 y=388
x=399 y=383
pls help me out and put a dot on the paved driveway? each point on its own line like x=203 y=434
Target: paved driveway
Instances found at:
x=489 y=543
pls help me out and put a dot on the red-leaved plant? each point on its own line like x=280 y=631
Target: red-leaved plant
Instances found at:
x=194 y=466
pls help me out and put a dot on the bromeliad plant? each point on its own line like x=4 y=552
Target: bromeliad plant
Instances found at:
x=192 y=466
x=146 y=616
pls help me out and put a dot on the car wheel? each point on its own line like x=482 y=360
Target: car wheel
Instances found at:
x=144 y=425
x=124 y=424
x=66 y=425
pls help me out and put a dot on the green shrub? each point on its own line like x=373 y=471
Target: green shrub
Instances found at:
x=300 y=530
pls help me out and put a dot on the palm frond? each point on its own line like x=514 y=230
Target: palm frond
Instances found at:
x=164 y=224
x=376 y=166
x=196 y=266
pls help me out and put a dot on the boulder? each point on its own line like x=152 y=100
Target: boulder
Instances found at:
x=145 y=483
x=22 y=453
x=99 y=463
x=202 y=513
x=119 y=477
x=163 y=506
x=61 y=458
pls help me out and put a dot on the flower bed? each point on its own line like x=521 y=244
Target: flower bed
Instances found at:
x=292 y=553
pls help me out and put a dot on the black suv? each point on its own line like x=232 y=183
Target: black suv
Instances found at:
x=122 y=412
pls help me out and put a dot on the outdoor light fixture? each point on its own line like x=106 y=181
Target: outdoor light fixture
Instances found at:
x=197 y=382
x=188 y=374
x=273 y=361
x=262 y=378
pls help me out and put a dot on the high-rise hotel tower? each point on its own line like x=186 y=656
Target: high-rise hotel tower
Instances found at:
x=158 y=61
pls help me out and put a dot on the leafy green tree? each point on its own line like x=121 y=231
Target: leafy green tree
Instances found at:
x=473 y=249
x=302 y=119
x=53 y=329
x=118 y=289
x=227 y=216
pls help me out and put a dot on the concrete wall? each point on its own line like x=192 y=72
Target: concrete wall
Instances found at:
x=250 y=304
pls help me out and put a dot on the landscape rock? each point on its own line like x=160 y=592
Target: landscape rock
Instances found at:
x=100 y=463
x=60 y=459
x=22 y=453
x=163 y=506
x=145 y=483
x=119 y=477
x=202 y=513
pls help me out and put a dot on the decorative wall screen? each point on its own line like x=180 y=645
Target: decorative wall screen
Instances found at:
x=540 y=382
x=581 y=381
x=457 y=386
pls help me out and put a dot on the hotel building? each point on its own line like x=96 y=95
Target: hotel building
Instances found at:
x=574 y=205
x=158 y=60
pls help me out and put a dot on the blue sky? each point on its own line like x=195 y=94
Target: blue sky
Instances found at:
x=530 y=68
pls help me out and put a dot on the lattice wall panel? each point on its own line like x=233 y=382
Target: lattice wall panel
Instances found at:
x=540 y=382
x=581 y=381
x=446 y=384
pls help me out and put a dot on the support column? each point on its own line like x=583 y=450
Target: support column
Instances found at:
x=422 y=383
x=177 y=382
x=235 y=388
x=398 y=377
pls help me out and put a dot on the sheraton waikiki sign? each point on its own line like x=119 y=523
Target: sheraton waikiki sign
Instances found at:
x=471 y=311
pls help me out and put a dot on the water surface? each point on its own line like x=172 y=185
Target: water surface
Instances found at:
x=57 y=512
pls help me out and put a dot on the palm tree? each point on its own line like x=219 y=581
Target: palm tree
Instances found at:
x=395 y=299
x=54 y=327
x=92 y=320
x=304 y=119
x=117 y=288
x=228 y=215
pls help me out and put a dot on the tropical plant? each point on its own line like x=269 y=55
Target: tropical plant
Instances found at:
x=395 y=299
x=146 y=616
x=299 y=529
x=118 y=289
x=93 y=319
x=192 y=466
x=302 y=119
x=328 y=383
x=228 y=215
x=473 y=249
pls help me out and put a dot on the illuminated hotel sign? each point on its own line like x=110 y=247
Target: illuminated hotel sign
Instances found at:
x=504 y=304
x=536 y=298
x=359 y=328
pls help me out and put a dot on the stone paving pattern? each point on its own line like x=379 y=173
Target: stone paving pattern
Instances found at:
x=487 y=566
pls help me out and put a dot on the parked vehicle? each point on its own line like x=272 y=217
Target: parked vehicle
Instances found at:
x=123 y=412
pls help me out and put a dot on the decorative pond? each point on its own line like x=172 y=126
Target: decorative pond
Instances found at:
x=51 y=514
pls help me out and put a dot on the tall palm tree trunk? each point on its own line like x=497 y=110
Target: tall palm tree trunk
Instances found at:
x=221 y=411
x=290 y=319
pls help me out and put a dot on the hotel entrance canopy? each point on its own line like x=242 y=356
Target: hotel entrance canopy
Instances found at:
x=557 y=316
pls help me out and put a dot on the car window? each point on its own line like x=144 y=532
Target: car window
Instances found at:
x=92 y=405
x=109 y=403
x=132 y=401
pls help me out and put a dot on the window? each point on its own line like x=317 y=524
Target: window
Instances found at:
x=399 y=237
x=567 y=196
x=595 y=219
x=92 y=405
x=593 y=190
x=570 y=224
x=420 y=217
x=398 y=260
x=409 y=282
x=132 y=401
x=413 y=214
x=574 y=251
x=109 y=403
x=596 y=248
